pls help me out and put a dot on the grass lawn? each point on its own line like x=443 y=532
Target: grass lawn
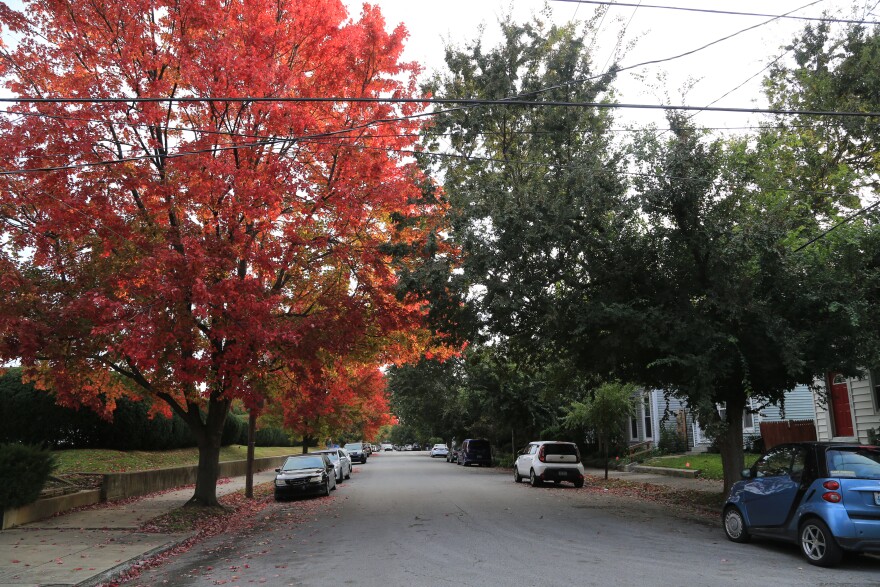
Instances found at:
x=116 y=461
x=708 y=464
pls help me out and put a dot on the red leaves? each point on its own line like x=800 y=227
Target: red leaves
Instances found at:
x=200 y=249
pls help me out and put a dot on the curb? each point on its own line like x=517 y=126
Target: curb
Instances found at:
x=687 y=473
x=115 y=572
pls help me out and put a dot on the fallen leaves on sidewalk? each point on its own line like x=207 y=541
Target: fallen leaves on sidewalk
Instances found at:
x=235 y=511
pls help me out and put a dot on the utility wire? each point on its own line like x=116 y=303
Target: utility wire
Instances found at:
x=846 y=220
x=466 y=101
x=724 y=12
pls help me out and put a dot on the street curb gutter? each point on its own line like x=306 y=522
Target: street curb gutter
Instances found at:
x=114 y=573
x=689 y=473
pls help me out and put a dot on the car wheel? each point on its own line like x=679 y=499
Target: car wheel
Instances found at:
x=327 y=488
x=818 y=544
x=534 y=481
x=579 y=483
x=735 y=525
x=348 y=476
x=516 y=476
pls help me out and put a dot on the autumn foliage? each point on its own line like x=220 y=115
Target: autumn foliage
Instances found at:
x=194 y=247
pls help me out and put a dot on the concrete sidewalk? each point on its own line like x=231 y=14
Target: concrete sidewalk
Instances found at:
x=92 y=546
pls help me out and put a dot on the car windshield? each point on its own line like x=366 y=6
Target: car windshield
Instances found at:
x=334 y=456
x=353 y=446
x=439 y=446
x=560 y=449
x=300 y=463
x=479 y=444
x=857 y=462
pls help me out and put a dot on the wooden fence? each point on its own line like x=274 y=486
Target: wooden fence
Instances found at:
x=775 y=433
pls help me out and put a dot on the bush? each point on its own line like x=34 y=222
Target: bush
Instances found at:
x=503 y=459
x=24 y=470
x=670 y=441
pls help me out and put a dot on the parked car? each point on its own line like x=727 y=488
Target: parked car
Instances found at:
x=374 y=448
x=474 y=451
x=416 y=446
x=549 y=460
x=309 y=474
x=439 y=450
x=386 y=446
x=408 y=447
x=341 y=462
x=368 y=448
x=823 y=496
x=357 y=452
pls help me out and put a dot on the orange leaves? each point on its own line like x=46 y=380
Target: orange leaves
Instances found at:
x=204 y=248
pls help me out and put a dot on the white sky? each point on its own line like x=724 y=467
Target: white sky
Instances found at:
x=657 y=34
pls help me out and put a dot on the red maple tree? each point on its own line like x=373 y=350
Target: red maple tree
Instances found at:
x=194 y=245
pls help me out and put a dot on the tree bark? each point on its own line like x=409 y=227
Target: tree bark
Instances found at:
x=252 y=428
x=208 y=437
x=607 y=442
x=730 y=443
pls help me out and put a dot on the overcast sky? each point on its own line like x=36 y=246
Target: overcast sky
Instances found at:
x=655 y=34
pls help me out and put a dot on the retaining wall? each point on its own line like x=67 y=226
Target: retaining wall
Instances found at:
x=122 y=485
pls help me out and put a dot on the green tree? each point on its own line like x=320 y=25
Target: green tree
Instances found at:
x=607 y=413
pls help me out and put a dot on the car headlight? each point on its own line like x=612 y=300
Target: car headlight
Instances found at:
x=316 y=479
x=279 y=482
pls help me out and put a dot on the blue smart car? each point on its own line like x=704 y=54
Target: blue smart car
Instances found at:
x=823 y=496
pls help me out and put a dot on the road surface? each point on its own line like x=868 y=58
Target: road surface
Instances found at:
x=404 y=519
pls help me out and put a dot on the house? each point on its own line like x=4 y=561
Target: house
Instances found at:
x=851 y=411
x=654 y=409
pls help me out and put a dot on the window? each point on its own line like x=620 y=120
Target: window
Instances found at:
x=875 y=387
x=634 y=427
x=785 y=460
x=646 y=410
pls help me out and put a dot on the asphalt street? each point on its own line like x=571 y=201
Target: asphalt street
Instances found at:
x=406 y=519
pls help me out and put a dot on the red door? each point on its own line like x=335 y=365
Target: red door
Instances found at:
x=840 y=407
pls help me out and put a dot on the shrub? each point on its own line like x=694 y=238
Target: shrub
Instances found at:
x=24 y=470
x=670 y=441
x=503 y=459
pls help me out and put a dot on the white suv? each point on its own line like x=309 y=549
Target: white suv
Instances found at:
x=549 y=460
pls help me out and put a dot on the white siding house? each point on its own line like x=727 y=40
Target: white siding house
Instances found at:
x=848 y=412
x=651 y=407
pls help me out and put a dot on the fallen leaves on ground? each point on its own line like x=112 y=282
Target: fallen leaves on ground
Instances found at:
x=704 y=504
x=234 y=512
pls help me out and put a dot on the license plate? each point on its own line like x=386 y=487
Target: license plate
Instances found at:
x=877 y=497
x=565 y=474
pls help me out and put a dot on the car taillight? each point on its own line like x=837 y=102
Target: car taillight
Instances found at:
x=831 y=485
x=831 y=496
x=541 y=454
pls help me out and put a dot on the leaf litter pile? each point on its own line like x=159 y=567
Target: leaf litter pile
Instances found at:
x=703 y=504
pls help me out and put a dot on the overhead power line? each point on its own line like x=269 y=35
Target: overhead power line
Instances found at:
x=723 y=12
x=447 y=101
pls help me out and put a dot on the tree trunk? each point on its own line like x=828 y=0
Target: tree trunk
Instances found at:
x=730 y=443
x=607 y=442
x=208 y=437
x=252 y=429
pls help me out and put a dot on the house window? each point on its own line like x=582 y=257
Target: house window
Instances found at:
x=634 y=427
x=875 y=387
x=646 y=410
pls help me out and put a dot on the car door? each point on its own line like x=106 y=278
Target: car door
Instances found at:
x=770 y=495
x=524 y=462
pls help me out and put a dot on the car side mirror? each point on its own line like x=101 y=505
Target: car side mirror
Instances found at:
x=746 y=473
x=277 y=470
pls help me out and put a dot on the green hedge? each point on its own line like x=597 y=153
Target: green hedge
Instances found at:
x=48 y=424
x=24 y=470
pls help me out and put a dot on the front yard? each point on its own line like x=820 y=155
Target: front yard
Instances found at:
x=708 y=464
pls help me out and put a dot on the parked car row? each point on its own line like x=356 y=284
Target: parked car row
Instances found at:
x=318 y=472
x=473 y=451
